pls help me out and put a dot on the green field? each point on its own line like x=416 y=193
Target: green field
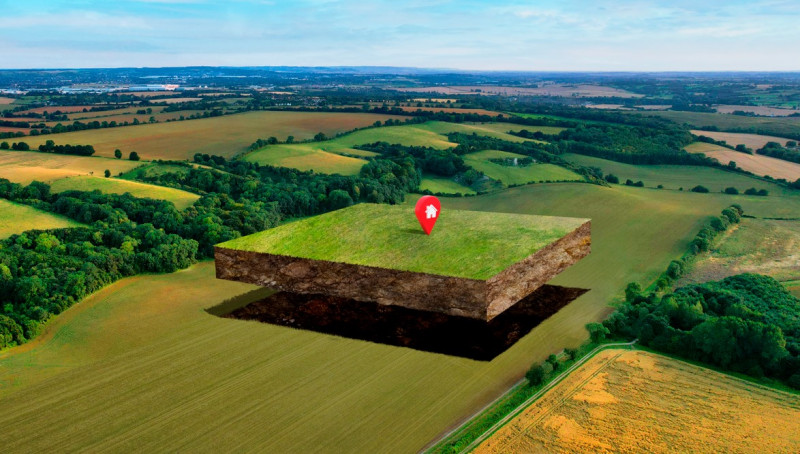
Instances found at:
x=16 y=218
x=514 y=174
x=675 y=177
x=442 y=185
x=430 y=134
x=226 y=136
x=26 y=166
x=467 y=244
x=306 y=158
x=181 y=199
x=141 y=366
x=778 y=126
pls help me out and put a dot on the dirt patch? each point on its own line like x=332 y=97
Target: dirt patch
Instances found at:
x=659 y=405
x=394 y=325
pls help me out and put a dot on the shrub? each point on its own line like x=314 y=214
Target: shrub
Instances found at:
x=700 y=189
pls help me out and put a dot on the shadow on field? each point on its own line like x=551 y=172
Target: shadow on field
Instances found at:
x=399 y=326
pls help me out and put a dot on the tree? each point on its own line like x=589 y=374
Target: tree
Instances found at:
x=272 y=140
x=632 y=291
x=597 y=332
x=700 y=189
x=538 y=373
x=118 y=153
x=108 y=173
x=731 y=190
x=553 y=360
x=320 y=137
x=134 y=156
x=4 y=146
x=290 y=139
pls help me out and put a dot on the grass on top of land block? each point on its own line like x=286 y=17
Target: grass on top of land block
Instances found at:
x=467 y=244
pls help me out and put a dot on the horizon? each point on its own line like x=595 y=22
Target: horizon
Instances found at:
x=473 y=36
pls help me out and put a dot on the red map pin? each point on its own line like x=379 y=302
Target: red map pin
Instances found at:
x=427 y=211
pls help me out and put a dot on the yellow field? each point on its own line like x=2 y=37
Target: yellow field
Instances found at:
x=760 y=246
x=26 y=166
x=754 y=141
x=181 y=199
x=226 y=136
x=634 y=401
x=758 y=110
x=758 y=164
x=304 y=157
x=16 y=218
x=4 y=100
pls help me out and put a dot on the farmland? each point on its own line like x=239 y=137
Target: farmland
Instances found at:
x=567 y=90
x=756 y=163
x=441 y=185
x=676 y=177
x=777 y=126
x=15 y=218
x=758 y=110
x=760 y=246
x=307 y=157
x=181 y=199
x=227 y=135
x=181 y=359
x=643 y=402
x=516 y=174
x=754 y=141
x=26 y=166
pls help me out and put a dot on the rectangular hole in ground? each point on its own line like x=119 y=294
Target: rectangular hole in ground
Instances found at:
x=399 y=326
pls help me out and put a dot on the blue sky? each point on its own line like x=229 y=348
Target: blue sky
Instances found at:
x=566 y=35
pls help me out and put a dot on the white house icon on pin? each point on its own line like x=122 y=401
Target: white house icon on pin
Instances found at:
x=430 y=212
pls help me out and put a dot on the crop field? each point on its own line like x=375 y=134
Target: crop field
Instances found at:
x=431 y=134
x=758 y=110
x=676 y=177
x=181 y=199
x=480 y=161
x=51 y=109
x=141 y=366
x=762 y=246
x=16 y=218
x=227 y=135
x=635 y=401
x=566 y=90
x=26 y=166
x=4 y=100
x=777 y=126
x=413 y=108
x=756 y=163
x=754 y=141
x=441 y=185
x=304 y=157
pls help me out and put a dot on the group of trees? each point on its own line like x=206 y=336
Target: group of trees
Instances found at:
x=746 y=323
x=439 y=162
x=16 y=146
x=77 y=150
x=776 y=150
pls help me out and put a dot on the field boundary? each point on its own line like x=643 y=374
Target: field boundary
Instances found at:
x=430 y=448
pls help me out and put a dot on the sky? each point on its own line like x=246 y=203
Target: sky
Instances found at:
x=566 y=35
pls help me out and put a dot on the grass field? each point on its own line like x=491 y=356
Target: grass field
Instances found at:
x=760 y=246
x=634 y=401
x=754 y=141
x=16 y=218
x=566 y=90
x=141 y=366
x=227 y=135
x=756 y=163
x=516 y=175
x=676 y=177
x=777 y=126
x=441 y=185
x=467 y=244
x=430 y=134
x=307 y=158
x=26 y=166
x=181 y=199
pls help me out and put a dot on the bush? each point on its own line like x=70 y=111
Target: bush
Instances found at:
x=538 y=373
x=134 y=156
x=597 y=332
x=731 y=190
x=700 y=189
x=611 y=178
